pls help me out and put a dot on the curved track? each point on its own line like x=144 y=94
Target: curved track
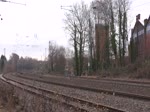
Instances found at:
x=79 y=104
x=93 y=87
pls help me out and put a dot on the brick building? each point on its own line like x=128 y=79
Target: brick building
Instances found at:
x=147 y=37
x=101 y=35
x=140 y=39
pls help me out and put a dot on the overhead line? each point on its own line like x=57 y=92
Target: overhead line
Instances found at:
x=16 y=3
x=141 y=4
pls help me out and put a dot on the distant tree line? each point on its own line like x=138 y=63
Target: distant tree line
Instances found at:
x=3 y=61
x=9 y=65
x=20 y=64
x=54 y=63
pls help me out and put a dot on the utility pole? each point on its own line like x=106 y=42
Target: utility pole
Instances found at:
x=45 y=54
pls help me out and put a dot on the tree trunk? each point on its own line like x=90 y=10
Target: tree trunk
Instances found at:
x=76 y=53
x=120 y=36
x=81 y=55
x=124 y=37
x=113 y=36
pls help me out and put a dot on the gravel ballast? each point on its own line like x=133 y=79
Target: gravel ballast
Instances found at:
x=129 y=105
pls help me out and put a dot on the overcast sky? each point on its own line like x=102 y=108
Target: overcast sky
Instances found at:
x=26 y=30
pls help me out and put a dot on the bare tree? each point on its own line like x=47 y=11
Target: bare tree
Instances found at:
x=60 y=60
x=122 y=7
x=14 y=61
x=56 y=58
x=113 y=33
x=77 y=24
x=51 y=55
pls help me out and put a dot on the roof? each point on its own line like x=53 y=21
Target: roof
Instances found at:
x=138 y=23
x=148 y=20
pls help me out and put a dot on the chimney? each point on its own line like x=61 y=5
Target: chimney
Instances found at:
x=145 y=22
x=138 y=17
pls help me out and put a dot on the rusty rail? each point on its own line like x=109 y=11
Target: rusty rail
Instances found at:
x=118 y=93
x=67 y=98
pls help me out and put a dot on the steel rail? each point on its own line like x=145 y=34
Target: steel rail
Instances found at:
x=143 y=83
x=41 y=94
x=118 y=80
x=81 y=101
x=117 y=93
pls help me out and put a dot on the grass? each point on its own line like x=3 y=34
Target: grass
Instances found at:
x=17 y=100
x=8 y=100
x=138 y=70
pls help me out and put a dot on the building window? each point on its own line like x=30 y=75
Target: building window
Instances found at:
x=141 y=32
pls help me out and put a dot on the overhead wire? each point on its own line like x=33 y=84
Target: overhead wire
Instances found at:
x=134 y=8
x=142 y=4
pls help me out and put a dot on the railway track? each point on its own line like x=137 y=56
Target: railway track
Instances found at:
x=112 y=92
x=78 y=104
x=100 y=79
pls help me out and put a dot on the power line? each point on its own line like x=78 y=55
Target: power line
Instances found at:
x=16 y=3
x=135 y=8
x=66 y=7
x=12 y=2
x=141 y=4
